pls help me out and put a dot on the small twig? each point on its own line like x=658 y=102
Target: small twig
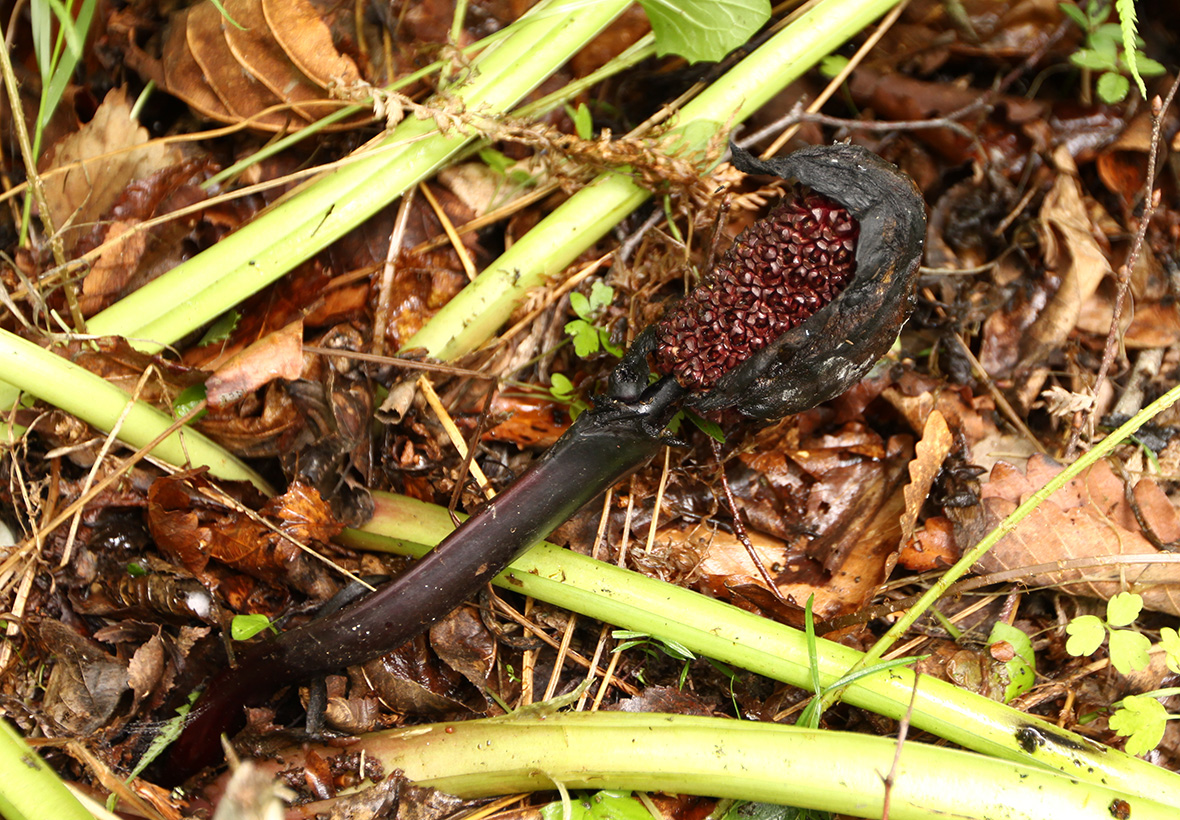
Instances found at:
x=456 y=437
x=449 y=230
x=798 y=115
x=385 y=289
x=903 y=730
x=739 y=529
x=465 y=467
x=868 y=45
x=395 y=361
x=1001 y=400
x=100 y=459
x=1151 y=198
x=655 y=513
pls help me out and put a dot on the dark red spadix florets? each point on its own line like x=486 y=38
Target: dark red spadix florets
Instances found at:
x=777 y=274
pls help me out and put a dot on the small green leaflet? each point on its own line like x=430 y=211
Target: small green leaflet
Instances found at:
x=1021 y=670
x=1141 y=720
x=188 y=398
x=604 y=805
x=245 y=627
x=219 y=331
x=704 y=29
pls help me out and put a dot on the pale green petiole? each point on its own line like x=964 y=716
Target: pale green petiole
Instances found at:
x=725 y=633
x=96 y=401
x=32 y=790
x=745 y=760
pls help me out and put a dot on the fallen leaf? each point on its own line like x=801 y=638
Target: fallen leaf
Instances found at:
x=85 y=684
x=929 y=454
x=81 y=195
x=277 y=355
x=1088 y=518
x=1072 y=251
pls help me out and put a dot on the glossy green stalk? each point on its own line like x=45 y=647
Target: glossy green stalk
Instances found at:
x=29 y=789
x=717 y=630
x=743 y=760
x=477 y=312
x=96 y=401
x=243 y=263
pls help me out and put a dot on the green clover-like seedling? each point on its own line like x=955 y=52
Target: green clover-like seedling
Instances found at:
x=1086 y=634
x=588 y=336
x=1141 y=719
x=1123 y=609
x=1170 y=641
x=1128 y=648
x=245 y=627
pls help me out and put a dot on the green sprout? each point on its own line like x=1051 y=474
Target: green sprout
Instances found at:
x=583 y=122
x=1139 y=718
x=1111 y=49
x=590 y=337
x=564 y=391
x=649 y=644
x=245 y=627
x=603 y=805
x=1127 y=648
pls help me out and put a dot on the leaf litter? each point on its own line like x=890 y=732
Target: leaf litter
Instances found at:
x=1030 y=219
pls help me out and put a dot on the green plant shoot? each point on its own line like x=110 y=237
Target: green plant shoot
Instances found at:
x=1127 y=648
x=1111 y=49
x=588 y=336
x=245 y=627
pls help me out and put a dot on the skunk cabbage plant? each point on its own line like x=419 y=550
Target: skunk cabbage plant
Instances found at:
x=794 y=313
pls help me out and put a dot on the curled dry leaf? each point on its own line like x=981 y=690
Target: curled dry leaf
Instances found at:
x=854 y=505
x=79 y=196
x=1072 y=251
x=284 y=55
x=194 y=531
x=85 y=684
x=1088 y=520
x=277 y=355
x=929 y=454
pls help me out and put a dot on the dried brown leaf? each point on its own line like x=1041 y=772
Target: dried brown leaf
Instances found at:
x=237 y=89
x=85 y=685
x=929 y=454
x=277 y=355
x=260 y=55
x=1073 y=252
x=1088 y=518
x=81 y=195
x=298 y=27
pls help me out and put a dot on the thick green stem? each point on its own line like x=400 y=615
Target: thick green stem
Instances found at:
x=476 y=313
x=251 y=258
x=744 y=760
x=98 y=402
x=31 y=790
x=726 y=633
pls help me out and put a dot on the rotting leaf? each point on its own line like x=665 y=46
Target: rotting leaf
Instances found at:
x=929 y=453
x=83 y=194
x=85 y=685
x=1088 y=518
x=278 y=355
